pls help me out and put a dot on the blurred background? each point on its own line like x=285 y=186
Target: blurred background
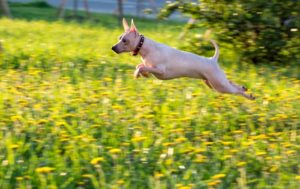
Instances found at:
x=73 y=116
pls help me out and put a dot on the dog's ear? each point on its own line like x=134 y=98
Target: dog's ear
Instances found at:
x=125 y=25
x=132 y=27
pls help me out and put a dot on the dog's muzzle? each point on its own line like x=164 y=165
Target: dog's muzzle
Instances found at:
x=114 y=48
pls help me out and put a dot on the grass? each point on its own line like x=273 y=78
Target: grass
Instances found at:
x=72 y=116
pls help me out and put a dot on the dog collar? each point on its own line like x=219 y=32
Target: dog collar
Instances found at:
x=139 y=46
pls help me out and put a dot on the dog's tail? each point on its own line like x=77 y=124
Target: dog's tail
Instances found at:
x=216 y=55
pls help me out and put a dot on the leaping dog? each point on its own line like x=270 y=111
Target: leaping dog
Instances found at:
x=165 y=62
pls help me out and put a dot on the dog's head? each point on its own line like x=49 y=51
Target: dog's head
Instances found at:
x=128 y=40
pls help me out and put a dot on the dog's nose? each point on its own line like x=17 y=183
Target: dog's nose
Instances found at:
x=114 y=48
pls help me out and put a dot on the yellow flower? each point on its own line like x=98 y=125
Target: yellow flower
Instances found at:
x=97 y=160
x=208 y=143
x=125 y=144
x=274 y=168
x=206 y=133
x=226 y=143
x=234 y=151
x=169 y=161
x=181 y=139
x=115 y=151
x=297 y=177
x=227 y=156
x=277 y=157
x=14 y=146
x=200 y=159
x=213 y=183
x=241 y=164
x=218 y=176
x=260 y=153
x=237 y=131
x=184 y=187
x=19 y=178
x=199 y=150
x=168 y=144
x=120 y=182
x=290 y=152
x=138 y=139
x=44 y=169
x=87 y=175
x=179 y=130
x=158 y=175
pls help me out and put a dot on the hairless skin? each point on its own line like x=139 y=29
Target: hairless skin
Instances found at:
x=166 y=63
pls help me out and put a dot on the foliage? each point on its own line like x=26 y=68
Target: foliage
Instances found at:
x=72 y=116
x=262 y=31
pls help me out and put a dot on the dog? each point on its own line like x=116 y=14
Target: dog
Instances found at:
x=166 y=63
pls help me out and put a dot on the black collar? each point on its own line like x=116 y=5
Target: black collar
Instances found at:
x=139 y=46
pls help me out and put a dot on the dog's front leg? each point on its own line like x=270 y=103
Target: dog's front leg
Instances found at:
x=146 y=69
x=138 y=72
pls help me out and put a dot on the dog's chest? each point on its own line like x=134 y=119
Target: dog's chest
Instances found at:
x=150 y=62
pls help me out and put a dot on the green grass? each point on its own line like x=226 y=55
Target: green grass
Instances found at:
x=72 y=116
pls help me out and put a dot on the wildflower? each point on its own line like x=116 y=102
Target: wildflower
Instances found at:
x=274 y=168
x=184 y=187
x=115 y=151
x=125 y=143
x=290 y=152
x=226 y=143
x=138 y=139
x=120 y=182
x=260 y=153
x=277 y=157
x=206 y=133
x=297 y=177
x=87 y=175
x=208 y=143
x=199 y=150
x=166 y=144
x=158 y=175
x=179 y=130
x=44 y=169
x=97 y=160
x=169 y=161
x=213 y=183
x=181 y=139
x=218 y=176
x=19 y=178
x=227 y=156
x=233 y=151
x=238 y=132
x=200 y=159
x=241 y=164
x=14 y=146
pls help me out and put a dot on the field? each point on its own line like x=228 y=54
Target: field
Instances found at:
x=73 y=116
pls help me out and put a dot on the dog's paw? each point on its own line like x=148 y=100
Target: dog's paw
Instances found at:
x=251 y=97
x=136 y=73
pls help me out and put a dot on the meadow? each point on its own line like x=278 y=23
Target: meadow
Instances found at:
x=73 y=116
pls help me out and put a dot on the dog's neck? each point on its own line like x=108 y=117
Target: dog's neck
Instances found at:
x=146 y=48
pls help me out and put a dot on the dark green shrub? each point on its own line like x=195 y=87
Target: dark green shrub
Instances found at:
x=262 y=31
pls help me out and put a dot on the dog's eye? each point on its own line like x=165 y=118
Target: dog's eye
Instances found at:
x=124 y=40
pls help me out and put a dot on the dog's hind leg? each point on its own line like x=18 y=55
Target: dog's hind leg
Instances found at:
x=207 y=83
x=228 y=87
x=238 y=86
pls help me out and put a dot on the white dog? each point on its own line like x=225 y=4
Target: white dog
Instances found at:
x=165 y=62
